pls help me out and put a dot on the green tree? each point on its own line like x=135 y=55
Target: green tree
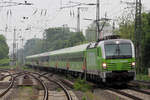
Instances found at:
x=146 y=39
x=54 y=38
x=4 y=50
x=33 y=46
x=57 y=38
x=126 y=25
x=126 y=30
x=76 y=39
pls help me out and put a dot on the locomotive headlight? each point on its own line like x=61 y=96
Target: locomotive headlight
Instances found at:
x=133 y=64
x=104 y=65
x=117 y=42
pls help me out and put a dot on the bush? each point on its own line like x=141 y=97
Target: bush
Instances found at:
x=81 y=85
x=142 y=77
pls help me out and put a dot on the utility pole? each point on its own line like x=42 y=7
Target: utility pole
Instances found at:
x=97 y=19
x=78 y=20
x=17 y=48
x=78 y=11
x=14 y=48
x=138 y=34
x=22 y=40
x=63 y=28
x=113 y=27
x=17 y=44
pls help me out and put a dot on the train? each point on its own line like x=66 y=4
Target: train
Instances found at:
x=109 y=60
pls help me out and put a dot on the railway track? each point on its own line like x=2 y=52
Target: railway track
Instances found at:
x=121 y=92
x=43 y=85
x=9 y=87
x=130 y=92
x=19 y=74
x=124 y=92
x=140 y=83
x=38 y=77
x=11 y=83
x=138 y=90
x=5 y=71
x=69 y=97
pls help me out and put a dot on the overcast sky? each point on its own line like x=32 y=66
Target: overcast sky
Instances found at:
x=47 y=13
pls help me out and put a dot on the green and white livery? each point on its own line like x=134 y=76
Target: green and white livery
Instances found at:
x=111 y=60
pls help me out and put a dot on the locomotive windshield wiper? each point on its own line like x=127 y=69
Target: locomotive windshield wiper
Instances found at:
x=117 y=51
x=118 y=56
x=112 y=57
x=126 y=56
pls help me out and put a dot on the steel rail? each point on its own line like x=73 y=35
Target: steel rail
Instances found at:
x=8 y=88
x=23 y=73
x=139 y=90
x=65 y=90
x=56 y=82
x=11 y=75
x=5 y=70
x=138 y=81
x=10 y=85
x=125 y=94
x=43 y=85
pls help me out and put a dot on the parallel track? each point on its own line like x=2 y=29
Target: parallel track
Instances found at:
x=37 y=76
x=139 y=90
x=140 y=83
x=125 y=94
x=118 y=91
x=43 y=85
x=20 y=74
x=9 y=87
x=56 y=82
x=11 y=83
x=32 y=74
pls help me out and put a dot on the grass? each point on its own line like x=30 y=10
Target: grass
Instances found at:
x=25 y=93
x=58 y=89
x=81 y=85
x=69 y=77
x=38 y=87
x=29 y=88
x=7 y=67
x=143 y=87
x=142 y=77
x=117 y=98
x=14 y=67
x=90 y=96
x=4 y=62
x=84 y=98
x=26 y=68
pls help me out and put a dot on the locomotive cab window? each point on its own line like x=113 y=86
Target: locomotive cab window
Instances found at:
x=116 y=51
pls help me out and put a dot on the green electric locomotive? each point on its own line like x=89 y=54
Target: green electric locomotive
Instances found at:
x=108 y=60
